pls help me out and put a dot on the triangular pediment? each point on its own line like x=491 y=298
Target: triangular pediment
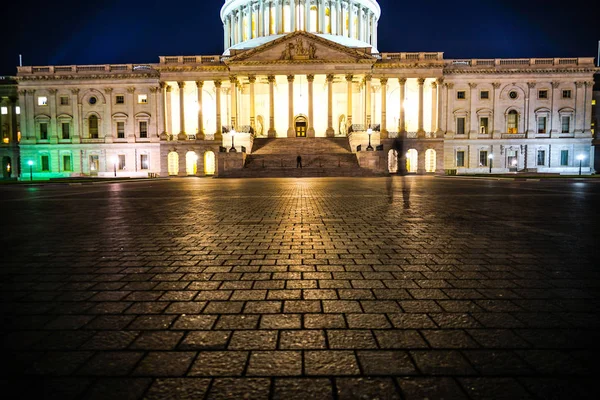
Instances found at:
x=301 y=47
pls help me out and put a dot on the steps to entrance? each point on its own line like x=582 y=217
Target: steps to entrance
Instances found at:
x=320 y=157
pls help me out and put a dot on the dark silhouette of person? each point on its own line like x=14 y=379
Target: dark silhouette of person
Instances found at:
x=299 y=162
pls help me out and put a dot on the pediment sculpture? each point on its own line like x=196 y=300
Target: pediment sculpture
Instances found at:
x=299 y=51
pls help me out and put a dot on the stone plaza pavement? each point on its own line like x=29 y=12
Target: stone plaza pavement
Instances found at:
x=371 y=288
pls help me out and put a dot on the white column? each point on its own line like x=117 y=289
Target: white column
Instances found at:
x=181 y=107
x=199 y=85
x=375 y=26
x=383 y=129
x=349 y=78
x=169 y=111
x=473 y=123
x=261 y=18
x=226 y=33
x=272 y=132
x=330 y=132
x=587 y=128
x=402 y=119
x=292 y=15
x=368 y=100
x=321 y=10
x=360 y=25
x=278 y=12
x=579 y=107
x=233 y=94
x=240 y=25
x=219 y=131
x=439 y=101
x=311 y=124
x=530 y=121
x=338 y=17
x=434 y=95
x=249 y=20
x=252 y=79
x=350 y=18
x=307 y=15
x=291 y=131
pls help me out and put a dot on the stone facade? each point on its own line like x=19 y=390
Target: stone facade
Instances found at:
x=9 y=128
x=425 y=114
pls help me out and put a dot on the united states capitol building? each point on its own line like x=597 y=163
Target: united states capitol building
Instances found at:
x=299 y=77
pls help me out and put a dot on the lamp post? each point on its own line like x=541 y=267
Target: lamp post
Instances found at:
x=232 y=133
x=491 y=160
x=30 y=163
x=580 y=157
x=369 y=132
x=115 y=160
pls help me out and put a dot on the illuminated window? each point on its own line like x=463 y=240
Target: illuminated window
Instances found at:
x=17 y=110
x=142 y=99
x=42 y=101
x=4 y=110
x=430 y=160
x=483 y=125
x=93 y=126
x=45 y=163
x=121 y=162
x=460 y=158
x=564 y=157
x=121 y=130
x=461 y=95
x=541 y=157
x=66 y=128
x=542 y=94
x=512 y=122
x=120 y=99
x=143 y=129
x=460 y=126
x=67 y=163
x=143 y=161
x=485 y=94
x=483 y=158
x=542 y=122
x=593 y=102
x=565 y=123
x=64 y=100
x=566 y=94
x=43 y=131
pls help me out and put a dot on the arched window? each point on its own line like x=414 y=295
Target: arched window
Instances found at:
x=209 y=163
x=93 y=126
x=173 y=163
x=430 y=160
x=412 y=159
x=191 y=163
x=393 y=161
x=512 y=122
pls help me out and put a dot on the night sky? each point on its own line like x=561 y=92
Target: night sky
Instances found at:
x=109 y=31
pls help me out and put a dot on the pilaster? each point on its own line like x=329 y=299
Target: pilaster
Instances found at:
x=383 y=130
x=291 y=131
x=131 y=115
x=330 y=132
x=219 y=123
x=252 y=80
x=402 y=119
x=311 y=126
x=108 y=128
x=349 y=90
x=272 y=133
x=200 y=86
x=420 y=130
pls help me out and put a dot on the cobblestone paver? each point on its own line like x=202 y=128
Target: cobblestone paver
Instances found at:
x=375 y=288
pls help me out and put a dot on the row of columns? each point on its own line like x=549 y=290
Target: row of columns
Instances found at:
x=300 y=18
x=9 y=120
x=436 y=105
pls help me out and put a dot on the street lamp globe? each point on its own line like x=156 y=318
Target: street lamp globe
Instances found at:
x=581 y=157
x=30 y=163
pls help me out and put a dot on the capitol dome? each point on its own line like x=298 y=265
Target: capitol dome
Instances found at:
x=251 y=23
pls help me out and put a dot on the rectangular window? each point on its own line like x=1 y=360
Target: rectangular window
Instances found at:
x=144 y=161
x=142 y=99
x=541 y=124
x=483 y=125
x=564 y=157
x=566 y=124
x=460 y=126
x=66 y=127
x=17 y=110
x=121 y=162
x=64 y=100
x=541 y=157
x=67 y=163
x=593 y=102
x=45 y=163
x=43 y=131
x=42 y=101
x=4 y=110
x=542 y=94
x=485 y=94
x=483 y=158
x=120 y=99
x=566 y=94
x=460 y=158
x=143 y=129
x=461 y=95
x=121 y=130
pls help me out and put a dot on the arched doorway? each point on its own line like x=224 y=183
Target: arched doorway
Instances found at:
x=191 y=163
x=6 y=167
x=393 y=161
x=209 y=163
x=301 y=125
x=173 y=163
x=412 y=159
x=430 y=160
